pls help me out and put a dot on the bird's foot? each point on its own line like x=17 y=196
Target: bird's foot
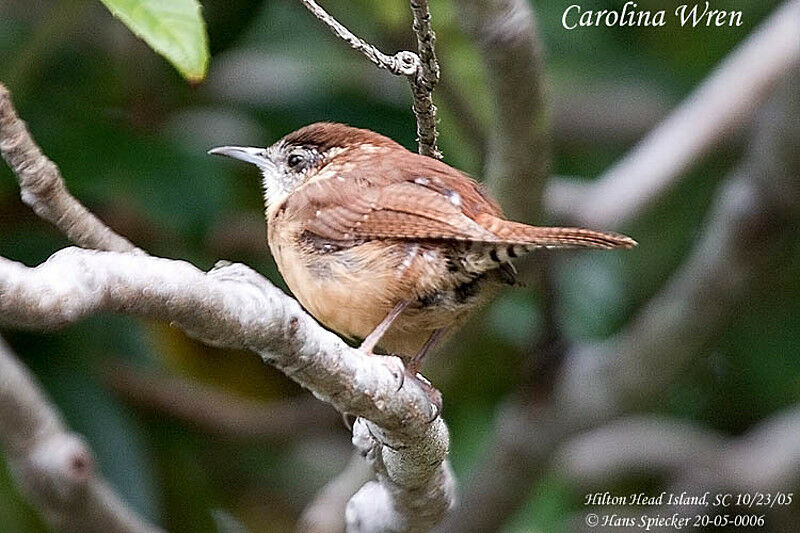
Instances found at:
x=433 y=394
x=408 y=370
x=394 y=362
x=398 y=370
x=348 y=420
x=366 y=350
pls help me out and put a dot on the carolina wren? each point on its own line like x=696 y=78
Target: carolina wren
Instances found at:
x=386 y=245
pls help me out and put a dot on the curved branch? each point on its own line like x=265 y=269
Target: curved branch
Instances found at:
x=42 y=187
x=420 y=491
x=234 y=307
x=53 y=466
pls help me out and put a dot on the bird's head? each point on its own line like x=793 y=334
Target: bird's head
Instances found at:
x=300 y=155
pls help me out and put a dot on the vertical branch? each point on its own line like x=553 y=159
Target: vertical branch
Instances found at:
x=422 y=70
x=516 y=170
x=425 y=79
x=518 y=156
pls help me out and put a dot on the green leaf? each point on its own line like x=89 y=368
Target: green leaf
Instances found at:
x=173 y=28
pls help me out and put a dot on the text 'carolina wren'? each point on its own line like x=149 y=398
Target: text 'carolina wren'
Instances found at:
x=386 y=245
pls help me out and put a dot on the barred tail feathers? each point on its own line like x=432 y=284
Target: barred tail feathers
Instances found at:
x=516 y=239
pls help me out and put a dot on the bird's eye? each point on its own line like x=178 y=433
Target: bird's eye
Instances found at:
x=295 y=160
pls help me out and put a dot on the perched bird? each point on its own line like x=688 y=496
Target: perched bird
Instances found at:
x=382 y=244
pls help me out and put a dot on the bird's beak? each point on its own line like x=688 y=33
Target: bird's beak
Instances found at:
x=255 y=156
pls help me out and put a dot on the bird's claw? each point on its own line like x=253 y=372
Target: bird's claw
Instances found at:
x=348 y=421
x=433 y=394
x=398 y=370
x=407 y=371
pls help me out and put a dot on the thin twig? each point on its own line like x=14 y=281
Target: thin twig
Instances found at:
x=424 y=80
x=404 y=63
x=422 y=70
x=53 y=466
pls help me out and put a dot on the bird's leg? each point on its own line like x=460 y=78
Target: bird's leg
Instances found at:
x=373 y=338
x=416 y=361
x=412 y=369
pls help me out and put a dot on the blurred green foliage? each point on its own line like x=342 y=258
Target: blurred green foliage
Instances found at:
x=130 y=137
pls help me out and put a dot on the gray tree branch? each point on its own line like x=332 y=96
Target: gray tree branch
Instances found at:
x=421 y=69
x=234 y=307
x=402 y=434
x=54 y=467
x=43 y=190
x=518 y=155
x=752 y=223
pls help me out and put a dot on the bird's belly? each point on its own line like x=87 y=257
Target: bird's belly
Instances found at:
x=348 y=303
x=351 y=291
x=347 y=292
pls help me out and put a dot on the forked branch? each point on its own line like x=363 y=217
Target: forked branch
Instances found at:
x=421 y=69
